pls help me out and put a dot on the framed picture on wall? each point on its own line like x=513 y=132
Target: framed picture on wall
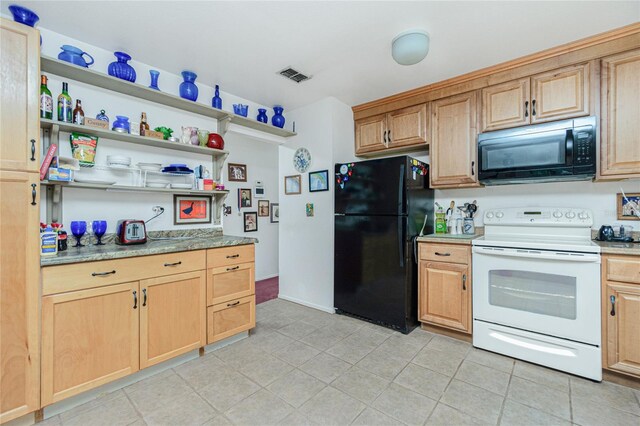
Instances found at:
x=275 y=212
x=250 y=221
x=191 y=209
x=263 y=208
x=628 y=206
x=237 y=172
x=244 y=197
x=319 y=181
x=292 y=185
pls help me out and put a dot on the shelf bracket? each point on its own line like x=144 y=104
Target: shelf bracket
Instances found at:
x=218 y=167
x=55 y=136
x=223 y=125
x=54 y=204
x=218 y=210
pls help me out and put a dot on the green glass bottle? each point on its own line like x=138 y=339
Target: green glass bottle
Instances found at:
x=46 y=100
x=64 y=105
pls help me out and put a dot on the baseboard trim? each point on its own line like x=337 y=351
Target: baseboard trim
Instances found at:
x=304 y=303
x=268 y=277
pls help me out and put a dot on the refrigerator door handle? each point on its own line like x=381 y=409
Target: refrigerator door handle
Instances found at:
x=338 y=214
x=401 y=190
x=401 y=240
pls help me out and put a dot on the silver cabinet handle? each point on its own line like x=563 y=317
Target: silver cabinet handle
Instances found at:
x=102 y=274
x=464 y=282
x=33 y=150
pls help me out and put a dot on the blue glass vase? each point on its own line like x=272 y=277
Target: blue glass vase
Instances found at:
x=216 y=101
x=154 y=79
x=262 y=115
x=121 y=69
x=277 y=119
x=121 y=123
x=188 y=88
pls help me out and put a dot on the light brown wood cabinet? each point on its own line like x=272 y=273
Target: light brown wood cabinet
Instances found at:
x=621 y=314
x=172 y=316
x=395 y=131
x=229 y=318
x=454 y=141
x=19 y=219
x=89 y=338
x=553 y=95
x=620 y=112
x=444 y=288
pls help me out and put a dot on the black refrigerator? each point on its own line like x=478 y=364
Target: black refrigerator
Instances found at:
x=380 y=207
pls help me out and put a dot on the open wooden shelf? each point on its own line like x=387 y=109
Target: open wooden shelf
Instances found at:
x=133 y=188
x=105 y=81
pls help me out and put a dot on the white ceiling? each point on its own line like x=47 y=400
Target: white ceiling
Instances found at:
x=345 y=46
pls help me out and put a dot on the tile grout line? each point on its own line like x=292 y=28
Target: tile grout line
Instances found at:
x=504 y=401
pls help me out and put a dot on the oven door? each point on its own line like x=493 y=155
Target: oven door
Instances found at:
x=547 y=292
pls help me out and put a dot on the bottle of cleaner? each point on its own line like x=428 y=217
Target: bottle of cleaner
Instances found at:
x=48 y=242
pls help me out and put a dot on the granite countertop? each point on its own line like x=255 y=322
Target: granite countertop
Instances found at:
x=91 y=253
x=619 y=248
x=448 y=238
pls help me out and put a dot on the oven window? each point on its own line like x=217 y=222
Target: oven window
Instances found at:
x=547 y=150
x=545 y=294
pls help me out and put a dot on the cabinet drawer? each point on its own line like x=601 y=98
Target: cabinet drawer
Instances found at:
x=623 y=269
x=78 y=276
x=226 y=319
x=230 y=255
x=230 y=282
x=452 y=253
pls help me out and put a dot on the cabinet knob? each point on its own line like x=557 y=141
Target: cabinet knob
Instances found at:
x=33 y=150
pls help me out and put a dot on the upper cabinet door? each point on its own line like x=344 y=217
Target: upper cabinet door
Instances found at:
x=505 y=105
x=453 y=141
x=370 y=134
x=19 y=97
x=620 y=112
x=560 y=94
x=407 y=127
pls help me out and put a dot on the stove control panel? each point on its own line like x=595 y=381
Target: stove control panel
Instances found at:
x=547 y=216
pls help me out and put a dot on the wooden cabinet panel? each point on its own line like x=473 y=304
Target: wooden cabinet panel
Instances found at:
x=445 y=295
x=89 y=338
x=407 y=127
x=226 y=319
x=19 y=97
x=505 y=105
x=230 y=282
x=622 y=269
x=620 y=109
x=454 y=141
x=560 y=94
x=172 y=316
x=622 y=327
x=230 y=255
x=450 y=253
x=370 y=134
x=19 y=299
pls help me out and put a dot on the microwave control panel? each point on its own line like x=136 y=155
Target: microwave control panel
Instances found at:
x=563 y=216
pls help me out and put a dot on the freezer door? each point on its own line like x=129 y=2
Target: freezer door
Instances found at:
x=375 y=187
x=373 y=268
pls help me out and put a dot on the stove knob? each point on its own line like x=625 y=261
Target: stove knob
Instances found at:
x=489 y=215
x=557 y=214
x=583 y=215
x=570 y=215
x=499 y=215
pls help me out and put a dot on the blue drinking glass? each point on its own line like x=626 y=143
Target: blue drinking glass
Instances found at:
x=78 y=228
x=99 y=228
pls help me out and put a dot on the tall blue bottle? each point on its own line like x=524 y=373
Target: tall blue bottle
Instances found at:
x=216 y=101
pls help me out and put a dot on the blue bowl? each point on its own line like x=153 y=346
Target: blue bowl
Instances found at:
x=23 y=15
x=240 y=109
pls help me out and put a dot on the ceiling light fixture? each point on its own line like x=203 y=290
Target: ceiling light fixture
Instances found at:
x=410 y=47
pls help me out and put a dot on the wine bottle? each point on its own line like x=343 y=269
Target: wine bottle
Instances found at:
x=46 y=100
x=64 y=104
x=78 y=113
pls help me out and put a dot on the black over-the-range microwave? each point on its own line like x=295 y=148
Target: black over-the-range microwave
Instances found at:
x=549 y=152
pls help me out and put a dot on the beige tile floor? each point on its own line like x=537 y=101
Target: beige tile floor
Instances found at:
x=304 y=367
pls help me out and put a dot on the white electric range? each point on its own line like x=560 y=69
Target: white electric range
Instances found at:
x=536 y=291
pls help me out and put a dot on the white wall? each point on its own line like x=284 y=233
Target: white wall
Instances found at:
x=83 y=204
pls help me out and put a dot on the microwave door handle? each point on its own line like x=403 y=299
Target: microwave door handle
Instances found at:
x=569 y=147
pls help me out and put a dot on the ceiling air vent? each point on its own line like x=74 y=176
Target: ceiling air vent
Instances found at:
x=294 y=75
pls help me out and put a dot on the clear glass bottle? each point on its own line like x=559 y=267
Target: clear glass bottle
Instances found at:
x=78 y=113
x=144 y=126
x=46 y=100
x=64 y=104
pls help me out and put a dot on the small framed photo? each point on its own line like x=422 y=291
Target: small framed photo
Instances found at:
x=237 y=172
x=292 y=185
x=628 y=207
x=250 y=221
x=319 y=181
x=309 y=209
x=275 y=212
x=244 y=197
x=191 y=209
x=263 y=208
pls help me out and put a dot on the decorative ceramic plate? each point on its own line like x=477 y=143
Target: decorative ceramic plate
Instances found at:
x=301 y=160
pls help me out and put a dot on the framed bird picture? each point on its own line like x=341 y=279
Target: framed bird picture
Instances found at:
x=191 y=209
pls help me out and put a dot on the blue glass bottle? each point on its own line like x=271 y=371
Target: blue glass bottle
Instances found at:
x=216 y=101
x=154 y=79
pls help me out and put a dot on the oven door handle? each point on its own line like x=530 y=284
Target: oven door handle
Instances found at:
x=538 y=254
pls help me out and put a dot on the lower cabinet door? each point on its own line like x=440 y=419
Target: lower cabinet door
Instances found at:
x=229 y=318
x=622 y=307
x=445 y=295
x=89 y=338
x=172 y=316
